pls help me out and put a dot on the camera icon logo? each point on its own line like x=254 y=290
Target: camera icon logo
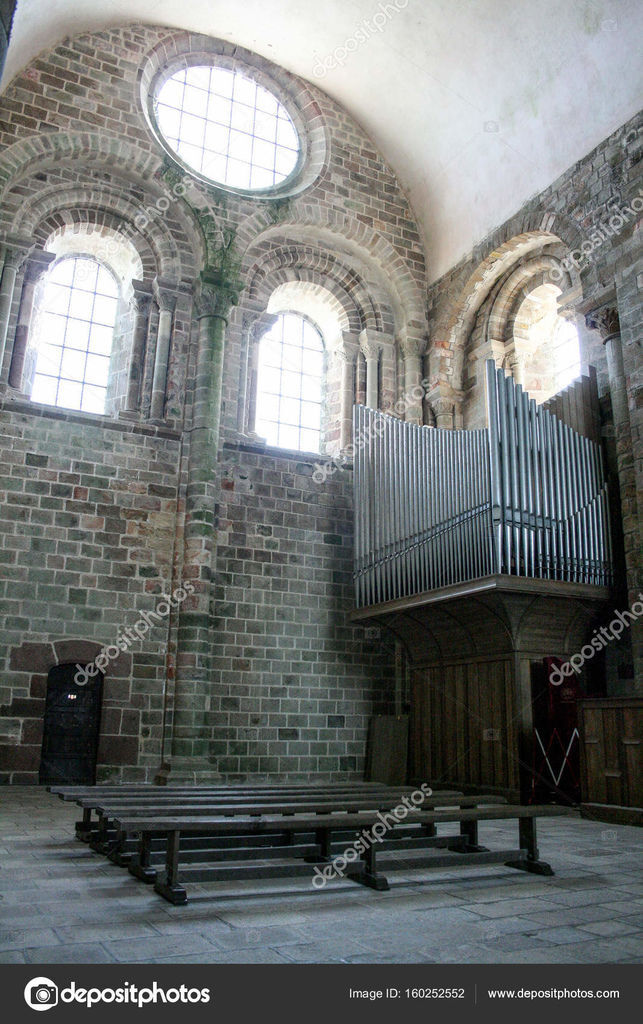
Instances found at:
x=41 y=994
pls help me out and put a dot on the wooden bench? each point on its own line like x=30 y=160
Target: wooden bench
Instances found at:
x=462 y=848
x=102 y=838
x=84 y=795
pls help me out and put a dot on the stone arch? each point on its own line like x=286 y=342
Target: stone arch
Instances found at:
x=324 y=269
x=313 y=299
x=359 y=244
x=84 y=154
x=495 y=268
x=516 y=286
x=103 y=242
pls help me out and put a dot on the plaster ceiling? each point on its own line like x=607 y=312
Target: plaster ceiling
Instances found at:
x=476 y=104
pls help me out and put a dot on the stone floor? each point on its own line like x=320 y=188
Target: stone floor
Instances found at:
x=61 y=903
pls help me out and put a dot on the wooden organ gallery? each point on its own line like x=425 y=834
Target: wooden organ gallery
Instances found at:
x=488 y=553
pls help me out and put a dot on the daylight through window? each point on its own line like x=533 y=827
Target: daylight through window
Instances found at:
x=227 y=127
x=289 y=388
x=74 y=335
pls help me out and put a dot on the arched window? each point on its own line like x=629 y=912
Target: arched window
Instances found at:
x=289 y=384
x=74 y=333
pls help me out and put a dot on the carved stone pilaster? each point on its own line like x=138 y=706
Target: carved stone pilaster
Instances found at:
x=165 y=295
x=140 y=302
x=414 y=348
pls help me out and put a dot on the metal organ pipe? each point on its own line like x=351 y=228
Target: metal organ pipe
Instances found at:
x=527 y=497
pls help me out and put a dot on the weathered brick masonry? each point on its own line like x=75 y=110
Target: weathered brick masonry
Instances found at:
x=78 y=157
x=88 y=520
x=260 y=671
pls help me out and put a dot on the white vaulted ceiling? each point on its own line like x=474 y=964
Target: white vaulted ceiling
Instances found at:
x=476 y=104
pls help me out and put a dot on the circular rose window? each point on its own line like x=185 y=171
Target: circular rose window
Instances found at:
x=228 y=128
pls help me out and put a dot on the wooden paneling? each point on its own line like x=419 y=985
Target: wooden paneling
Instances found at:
x=463 y=724
x=611 y=730
x=387 y=750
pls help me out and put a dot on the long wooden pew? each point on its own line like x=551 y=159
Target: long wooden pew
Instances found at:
x=460 y=848
x=102 y=839
x=85 y=796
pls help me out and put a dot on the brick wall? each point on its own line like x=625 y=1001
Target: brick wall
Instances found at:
x=296 y=681
x=88 y=516
x=94 y=533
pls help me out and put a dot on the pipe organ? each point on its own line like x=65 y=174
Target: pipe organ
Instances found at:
x=526 y=497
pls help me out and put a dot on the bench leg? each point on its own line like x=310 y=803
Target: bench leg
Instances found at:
x=84 y=828
x=140 y=866
x=323 y=841
x=469 y=833
x=98 y=840
x=369 y=876
x=527 y=840
x=168 y=885
x=116 y=852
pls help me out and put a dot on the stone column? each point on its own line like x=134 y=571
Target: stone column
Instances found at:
x=166 y=300
x=372 y=351
x=187 y=745
x=346 y=355
x=413 y=349
x=606 y=321
x=443 y=410
x=16 y=252
x=140 y=303
x=516 y=368
x=36 y=267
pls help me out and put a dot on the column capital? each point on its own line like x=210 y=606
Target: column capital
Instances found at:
x=605 y=321
x=141 y=296
x=414 y=347
x=370 y=348
x=215 y=295
x=346 y=348
x=165 y=294
x=16 y=250
x=372 y=343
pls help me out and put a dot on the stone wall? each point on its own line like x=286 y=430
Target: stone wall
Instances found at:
x=88 y=518
x=296 y=681
x=80 y=160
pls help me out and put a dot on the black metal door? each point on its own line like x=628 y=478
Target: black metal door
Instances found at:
x=70 y=733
